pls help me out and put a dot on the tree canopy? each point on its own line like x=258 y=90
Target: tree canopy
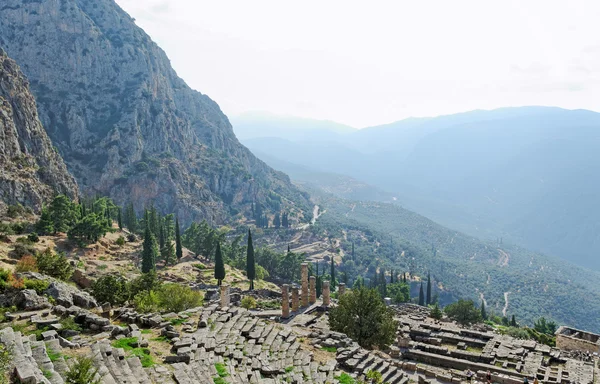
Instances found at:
x=362 y=315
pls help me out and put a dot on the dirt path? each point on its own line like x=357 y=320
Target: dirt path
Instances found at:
x=503 y=259
x=482 y=298
x=505 y=303
x=352 y=210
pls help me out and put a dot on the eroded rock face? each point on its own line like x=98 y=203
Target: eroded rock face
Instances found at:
x=31 y=171
x=125 y=123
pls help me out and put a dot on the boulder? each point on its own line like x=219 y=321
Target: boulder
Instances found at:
x=66 y=295
x=28 y=300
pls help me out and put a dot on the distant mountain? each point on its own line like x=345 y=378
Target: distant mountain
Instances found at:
x=31 y=171
x=126 y=124
x=252 y=125
x=339 y=185
x=528 y=175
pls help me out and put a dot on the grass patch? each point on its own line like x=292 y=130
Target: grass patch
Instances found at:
x=289 y=369
x=221 y=370
x=329 y=349
x=162 y=339
x=177 y=321
x=47 y=374
x=53 y=355
x=143 y=353
x=199 y=266
x=146 y=331
x=345 y=378
x=219 y=380
x=269 y=304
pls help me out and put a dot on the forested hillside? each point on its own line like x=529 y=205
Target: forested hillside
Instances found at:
x=389 y=237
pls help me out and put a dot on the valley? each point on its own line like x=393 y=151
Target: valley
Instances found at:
x=148 y=237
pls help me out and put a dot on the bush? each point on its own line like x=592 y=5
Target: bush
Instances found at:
x=120 y=241
x=27 y=263
x=39 y=286
x=169 y=298
x=54 y=265
x=82 y=372
x=33 y=237
x=15 y=211
x=21 y=250
x=6 y=357
x=248 y=302
x=463 y=312
x=112 y=289
x=9 y=281
x=177 y=298
x=131 y=237
x=147 y=301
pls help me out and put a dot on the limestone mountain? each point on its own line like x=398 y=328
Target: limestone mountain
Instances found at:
x=125 y=123
x=31 y=171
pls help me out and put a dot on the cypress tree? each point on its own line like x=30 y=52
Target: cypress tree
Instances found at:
x=219 y=265
x=250 y=266
x=178 y=248
x=289 y=248
x=513 y=321
x=119 y=219
x=421 y=296
x=353 y=252
x=483 y=312
x=161 y=234
x=428 y=298
x=149 y=251
x=332 y=274
x=277 y=221
x=392 y=277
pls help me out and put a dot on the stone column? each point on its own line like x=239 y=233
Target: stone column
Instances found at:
x=295 y=299
x=224 y=296
x=326 y=293
x=341 y=289
x=304 y=284
x=313 y=289
x=285 y=301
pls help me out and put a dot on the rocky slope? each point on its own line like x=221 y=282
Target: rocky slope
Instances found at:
x=31 y=172
x=126 y=124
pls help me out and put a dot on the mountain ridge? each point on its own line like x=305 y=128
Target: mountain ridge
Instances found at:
x=31 y=171
x=126 y=124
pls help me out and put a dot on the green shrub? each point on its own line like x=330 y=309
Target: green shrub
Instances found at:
x=248 y=302
x=168 y=297
x=21 y=250
x=54 y=265
x=128 y=343
x=120 y=241
x=39 y=286
x=82 y=372
x=111 y=289
x=177 y=298
x=6 y=355
x=33 y=237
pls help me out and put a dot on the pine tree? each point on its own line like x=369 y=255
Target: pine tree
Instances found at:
x=119 y=219
x=250 y=266
x=421 y=296
x=483 y=312
x=178 y=248
x=428 y=297
x=149 y=251
x=332 y=273
x=219 y=265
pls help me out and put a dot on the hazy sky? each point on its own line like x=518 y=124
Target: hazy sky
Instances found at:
x=370 y=62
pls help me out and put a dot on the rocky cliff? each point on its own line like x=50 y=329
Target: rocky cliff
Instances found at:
x=125 y=123
x=31 y=171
